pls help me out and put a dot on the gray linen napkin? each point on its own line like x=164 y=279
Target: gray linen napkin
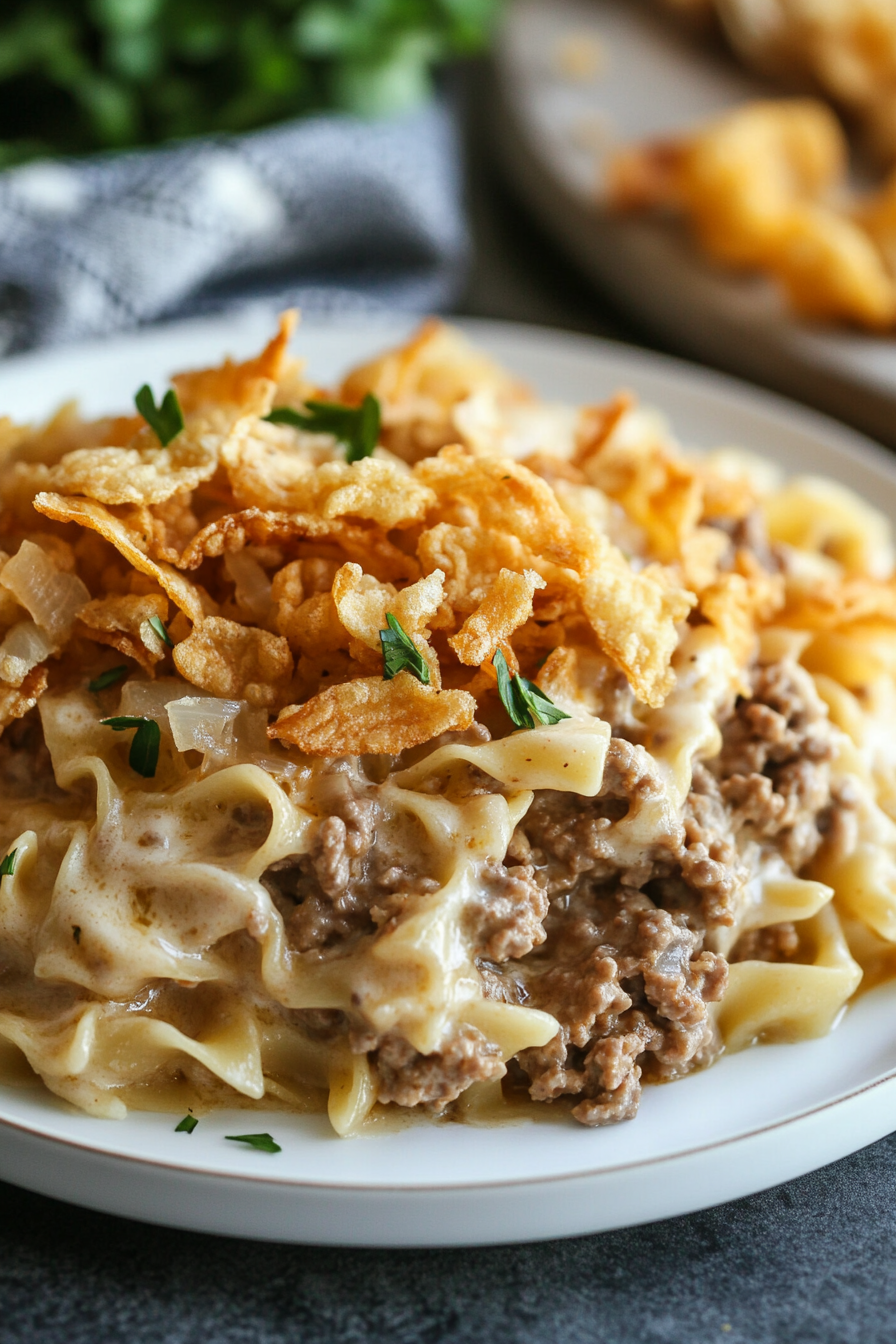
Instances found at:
x=329 y=212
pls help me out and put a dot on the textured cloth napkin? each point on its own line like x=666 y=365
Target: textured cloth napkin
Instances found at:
x=328 y=212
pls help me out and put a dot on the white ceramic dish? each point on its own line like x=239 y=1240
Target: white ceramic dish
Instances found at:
x=554 y=133
x=754 y=1120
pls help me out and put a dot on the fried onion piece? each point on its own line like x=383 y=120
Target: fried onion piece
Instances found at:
x=248 y=387
x=658 y=490
x=235 y=662
x=755 y=185
x=65 y=431
x=262 y=527
x=829 y=605
x=124 y=624
x=251 y=527
x=287 y=595
x=420 y=384
x=501 y=495
x=847 y=47
x=506 y=606
x=361 y=604
x=634 y=617
x=142 y=473
x=264 y=475
x=15 y=701
x=370 y=715
x=191 y=599
x=737 y=604
x=314 y=628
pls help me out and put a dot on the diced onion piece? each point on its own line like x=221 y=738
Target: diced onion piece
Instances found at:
x=253 y=587
x=150 y=699
x=24 y=646
x=251 y=733
x=52 y=597
x=203 y=723
x=279 y=767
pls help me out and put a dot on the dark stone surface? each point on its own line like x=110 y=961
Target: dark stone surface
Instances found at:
x=809 y=1261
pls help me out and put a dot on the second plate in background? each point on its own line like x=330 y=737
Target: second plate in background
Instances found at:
x=577 y=77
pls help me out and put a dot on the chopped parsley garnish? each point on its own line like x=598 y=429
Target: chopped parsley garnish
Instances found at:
x=400 y=653
x=358 y=427
x=524 y=702
x=158 y=625
x=263 y=1142
x=166 y=419
x=187 y=1125
x=76 y=934
x=144 y=754
x=108 y=678
x=8 y=866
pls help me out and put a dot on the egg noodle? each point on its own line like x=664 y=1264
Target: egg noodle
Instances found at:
x=523 y=755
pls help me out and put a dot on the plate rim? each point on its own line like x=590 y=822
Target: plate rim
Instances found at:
x=514 y=1183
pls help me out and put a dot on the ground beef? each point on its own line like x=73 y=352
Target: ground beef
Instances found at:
x=774 y=766
x=405 y=1076
x=625 y=969
x=506 y=918
x=625 y=979
x=348 y=885
x=572 y=837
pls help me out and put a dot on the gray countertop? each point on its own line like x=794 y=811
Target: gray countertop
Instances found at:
x=810 y=1261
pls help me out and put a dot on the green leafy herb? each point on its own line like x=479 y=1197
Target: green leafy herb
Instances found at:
x=358 y=427
x=144 y=754
x=159 y=626
x=108 y=678
x=167 y=419
x=263 y=1142
x=524 y=702
x=78 y=76
x=187 y=1125
x=8 y=866
x=400 y=653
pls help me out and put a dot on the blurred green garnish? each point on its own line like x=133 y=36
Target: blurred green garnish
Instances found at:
x=84 y=75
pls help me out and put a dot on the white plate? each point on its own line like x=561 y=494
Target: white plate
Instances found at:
x=652 y=80
x=753 y=1120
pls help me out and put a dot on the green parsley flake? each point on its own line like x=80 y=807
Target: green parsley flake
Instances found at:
x=166 y=419
x=187 y=1125
x=8 y=866
x=400 y=653
x=358 y=427
x=263 y=1142
x=144 y=754
x=108 y=678
x=158 y=625
x=526 y=704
